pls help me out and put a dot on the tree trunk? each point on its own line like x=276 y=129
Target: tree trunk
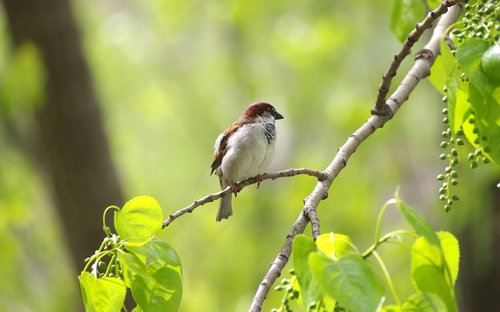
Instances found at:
x=75 y=152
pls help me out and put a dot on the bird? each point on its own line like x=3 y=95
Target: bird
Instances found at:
x=244 y=150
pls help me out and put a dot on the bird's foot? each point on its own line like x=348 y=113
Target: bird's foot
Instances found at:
x=259 y=179
x=234 y=188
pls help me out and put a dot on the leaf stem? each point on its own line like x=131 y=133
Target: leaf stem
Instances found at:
x=387 y=278
x=104 y=226
x=385 y=238
x=379 y=220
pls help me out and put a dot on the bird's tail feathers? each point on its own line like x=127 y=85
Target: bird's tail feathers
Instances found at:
x=225 y=207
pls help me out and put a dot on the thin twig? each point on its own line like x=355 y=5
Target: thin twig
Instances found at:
x=266 y=176
x=381 y=108
x=420 y=70
x=312 y=216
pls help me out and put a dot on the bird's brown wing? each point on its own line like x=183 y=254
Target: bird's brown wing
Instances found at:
x=221 y=151
x=219 y=154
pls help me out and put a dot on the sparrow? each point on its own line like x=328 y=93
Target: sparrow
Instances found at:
x=244 y=150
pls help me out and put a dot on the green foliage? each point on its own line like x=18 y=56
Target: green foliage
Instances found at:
x=435 y=268
x=138 y=220
x=134 y=259
x=469 y=74
x=102 y=294
x=333 y=270
x=302 y=247
x=347 y=280
x=303 y=63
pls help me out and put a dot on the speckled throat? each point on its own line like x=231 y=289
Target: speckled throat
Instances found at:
x=270 y=132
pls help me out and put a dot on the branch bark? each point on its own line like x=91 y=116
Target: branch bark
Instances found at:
x=380 y=108
x=420 y=70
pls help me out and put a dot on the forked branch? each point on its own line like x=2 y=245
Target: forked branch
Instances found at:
x=387 y=109
x=381 y=108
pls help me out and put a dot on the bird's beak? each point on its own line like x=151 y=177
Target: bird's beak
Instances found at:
x=277 y=115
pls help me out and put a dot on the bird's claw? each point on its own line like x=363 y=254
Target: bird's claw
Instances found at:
x=259 y=179
x=234 y=188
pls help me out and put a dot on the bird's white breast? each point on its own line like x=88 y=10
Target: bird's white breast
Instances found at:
x=249 y=152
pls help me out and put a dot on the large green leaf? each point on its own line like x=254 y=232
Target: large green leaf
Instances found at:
x=153 y=272
x=102 y=294
x=484 y=98
x=469 y=56
x=157 y=250
x=161 y=291
x=429 y=278
x=445 y=258
x=435 y=269
x=139 y=220
x=487 y=120
x=423 y=302
x=310 y=290
x=405 y=14
x=350 y=280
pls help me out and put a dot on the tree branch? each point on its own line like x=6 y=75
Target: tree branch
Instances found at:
x=312 y=216
x=420 y=70
x=321 y=176
x=381 y=108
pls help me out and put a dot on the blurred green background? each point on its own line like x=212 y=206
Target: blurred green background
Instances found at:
x=168 y=77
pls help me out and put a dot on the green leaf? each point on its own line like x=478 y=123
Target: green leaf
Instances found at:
x=484 y=97
x=435 y=269
x=157 y=250
x=429 y=278
x=438 y=76
x=302 y=247
x=424 y=253
x=153 y=272
x=102 y=294
x=451 y=252
x=418 y=223
x=490 y=63
x=424 y=302
x=444 y=68
x=350 y=280
x=161 y=291
x=139 y=220
x=405 y=14
x=487 y=119
x=335 y=245
x=469 y=56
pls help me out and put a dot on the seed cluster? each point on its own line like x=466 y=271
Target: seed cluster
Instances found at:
x=290 y=294
x=450 y=176
x=480 y=21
